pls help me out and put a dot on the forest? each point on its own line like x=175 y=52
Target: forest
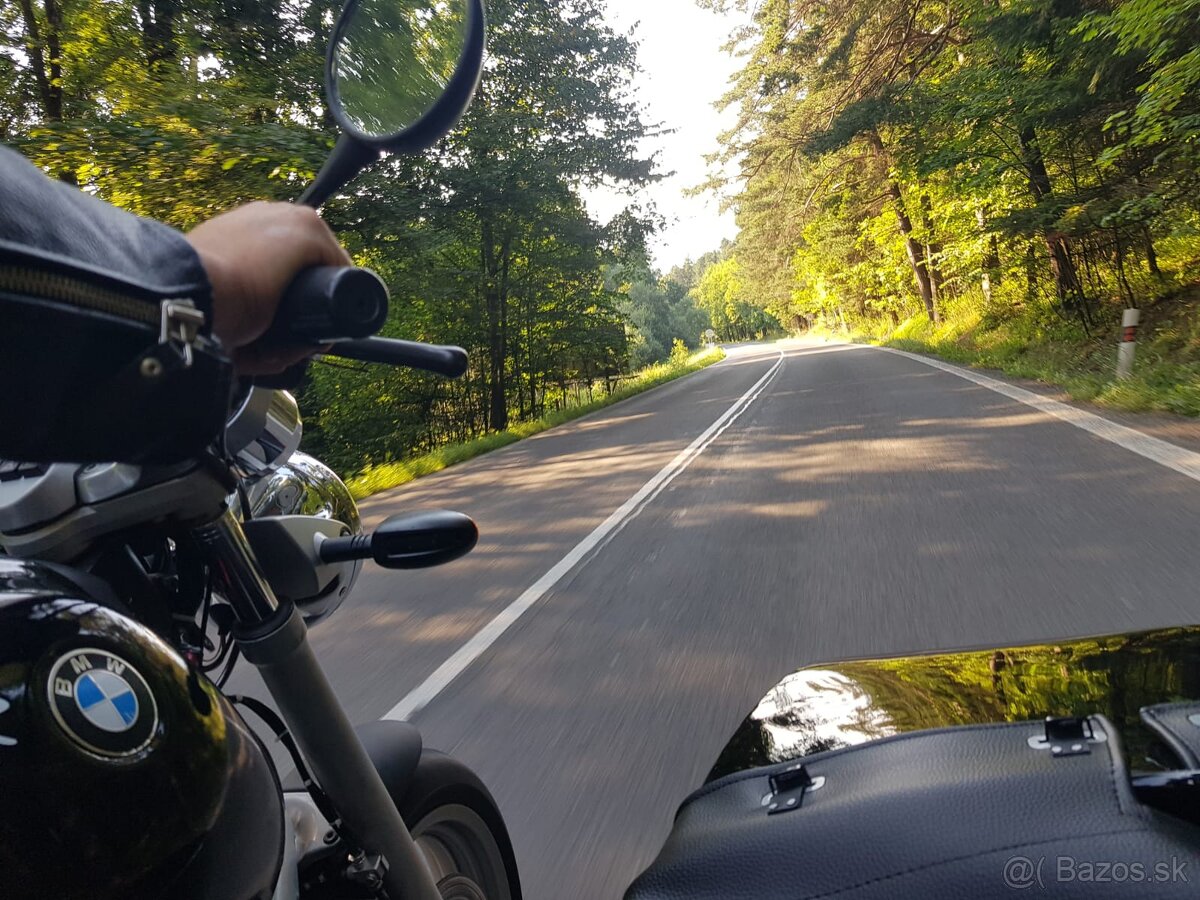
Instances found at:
x=179 y=109
x=993 y=180
x=973 y=173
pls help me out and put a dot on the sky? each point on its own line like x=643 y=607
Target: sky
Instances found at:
x=684 y=73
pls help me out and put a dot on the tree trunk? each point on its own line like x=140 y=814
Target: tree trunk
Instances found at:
x=1122 y=278
x=916 y=253
x=497 y=385
x=536 y=405
x=933 y=254
x=1151 y=255
x=991 y=260
x=519 y=381
x=48 y=78
x=501 y=397
x=937 y=281
x=47 y=74
x=494 y=302
x=158 y=31
x=1066 y=278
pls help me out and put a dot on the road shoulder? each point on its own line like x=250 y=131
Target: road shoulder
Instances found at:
x=1179 y=430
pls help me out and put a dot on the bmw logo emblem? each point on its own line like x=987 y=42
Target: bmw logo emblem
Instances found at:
x=102 y=703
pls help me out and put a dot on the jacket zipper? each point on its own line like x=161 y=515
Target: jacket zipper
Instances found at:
x=178 y=320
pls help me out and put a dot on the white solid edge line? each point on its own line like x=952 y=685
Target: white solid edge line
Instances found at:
x=1174 y=457
x=441 y=678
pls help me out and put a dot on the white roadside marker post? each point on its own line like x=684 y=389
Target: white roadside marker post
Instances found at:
x=1125 y=349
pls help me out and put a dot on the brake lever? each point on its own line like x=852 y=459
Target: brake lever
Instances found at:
x=439 y=359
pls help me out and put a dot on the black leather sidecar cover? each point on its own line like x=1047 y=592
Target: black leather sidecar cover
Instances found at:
x=989 y=811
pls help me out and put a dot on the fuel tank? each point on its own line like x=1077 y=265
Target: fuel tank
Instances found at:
x=825 y=707
x=123 y=772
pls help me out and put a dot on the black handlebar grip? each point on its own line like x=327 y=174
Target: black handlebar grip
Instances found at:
x=442 y=360
x=331 y=303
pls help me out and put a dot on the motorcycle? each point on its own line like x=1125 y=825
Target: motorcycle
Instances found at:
x=129 y=591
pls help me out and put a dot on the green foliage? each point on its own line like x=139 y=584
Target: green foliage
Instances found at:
x=1162 y=37
x=1007 y=165
x=178 y=109
x=169 y=109
x=1166 y=376
x=680 y=354
x=389 y=475
x=659 y=311
x=722 y=294
x=1112 y=676
x=1018 y=685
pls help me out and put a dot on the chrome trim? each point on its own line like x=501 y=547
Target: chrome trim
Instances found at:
x=304 y=486
x=180 y=327
x=246 y=588
x=265 y=430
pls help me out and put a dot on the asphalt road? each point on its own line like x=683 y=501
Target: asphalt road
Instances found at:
x=863 y=504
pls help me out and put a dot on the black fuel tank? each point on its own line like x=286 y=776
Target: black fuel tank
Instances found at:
x=123 y=772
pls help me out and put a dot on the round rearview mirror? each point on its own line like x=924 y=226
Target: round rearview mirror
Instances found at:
x=398 y=75
x=401 y=72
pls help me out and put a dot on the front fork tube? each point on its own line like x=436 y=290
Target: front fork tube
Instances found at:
x=273 y=637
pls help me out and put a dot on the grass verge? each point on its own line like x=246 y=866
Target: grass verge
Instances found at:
x=389 y=475
x=1166 y=375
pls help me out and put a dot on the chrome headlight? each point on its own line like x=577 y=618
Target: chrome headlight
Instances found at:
x=304 y=486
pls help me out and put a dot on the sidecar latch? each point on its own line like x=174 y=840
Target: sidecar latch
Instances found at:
x=1067 y=736
x=789 y=787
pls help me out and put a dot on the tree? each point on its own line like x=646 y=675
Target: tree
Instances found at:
x=553 y=112
x=180 y=108
x=720 y=293
x=659 y=311
x=1014 y=156
x=174 y=110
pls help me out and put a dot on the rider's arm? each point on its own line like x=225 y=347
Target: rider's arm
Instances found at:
x=235 y=267
x=74 y=386
x=52 y=219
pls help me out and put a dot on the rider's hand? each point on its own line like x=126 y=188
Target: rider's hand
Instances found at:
x=251 y=255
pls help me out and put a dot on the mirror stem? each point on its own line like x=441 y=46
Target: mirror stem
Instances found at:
x=349 y=157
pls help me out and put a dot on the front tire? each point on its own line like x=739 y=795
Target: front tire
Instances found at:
x=458 y=827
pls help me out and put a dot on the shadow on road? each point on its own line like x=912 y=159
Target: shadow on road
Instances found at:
x=864 y=506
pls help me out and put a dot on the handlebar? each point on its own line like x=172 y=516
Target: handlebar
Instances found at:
x=343 y=307
x=330 y=303
x=443 y=360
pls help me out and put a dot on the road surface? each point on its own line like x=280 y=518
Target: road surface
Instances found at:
x=813 y=502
